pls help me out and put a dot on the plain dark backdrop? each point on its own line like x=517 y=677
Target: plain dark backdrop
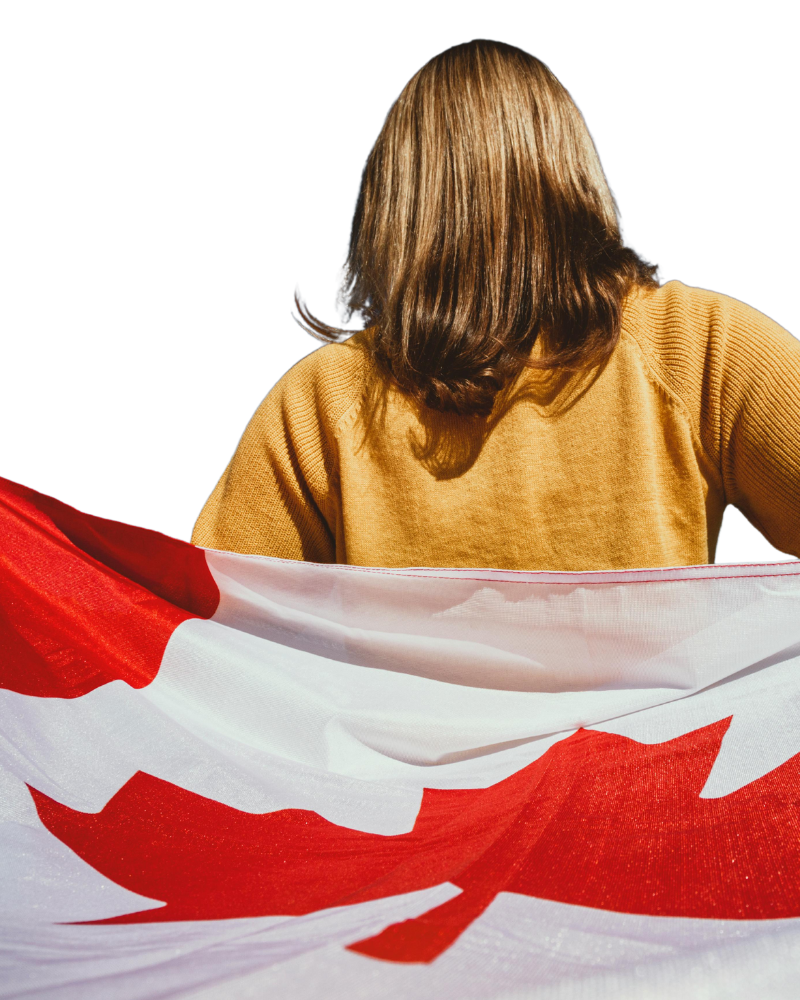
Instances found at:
x=166 y=200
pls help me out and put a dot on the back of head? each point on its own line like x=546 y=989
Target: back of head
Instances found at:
x=484 y=224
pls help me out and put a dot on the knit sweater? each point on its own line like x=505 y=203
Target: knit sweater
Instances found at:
x=630 y=465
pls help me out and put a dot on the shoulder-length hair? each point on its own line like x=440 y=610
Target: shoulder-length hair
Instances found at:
x=484 y=224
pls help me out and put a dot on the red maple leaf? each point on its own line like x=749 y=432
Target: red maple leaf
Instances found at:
x=599 y=820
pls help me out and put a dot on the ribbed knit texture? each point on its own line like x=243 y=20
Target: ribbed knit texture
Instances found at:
x=629 y=466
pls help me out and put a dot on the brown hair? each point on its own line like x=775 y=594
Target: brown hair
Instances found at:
x=484 y=223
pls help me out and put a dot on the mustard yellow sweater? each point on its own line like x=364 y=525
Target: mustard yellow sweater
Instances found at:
x=630 y=466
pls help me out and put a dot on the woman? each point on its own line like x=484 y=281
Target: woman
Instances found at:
x=525 y=395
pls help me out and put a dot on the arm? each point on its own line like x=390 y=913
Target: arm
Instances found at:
x=278 y=495
x=759 y=423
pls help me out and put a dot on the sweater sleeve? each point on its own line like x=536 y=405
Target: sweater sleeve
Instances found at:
x=759 y=406
x=738 y=373
x=279 y=494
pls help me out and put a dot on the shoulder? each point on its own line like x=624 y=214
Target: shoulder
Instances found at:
x=679 y=313
x=326 y=383
x=685 y=332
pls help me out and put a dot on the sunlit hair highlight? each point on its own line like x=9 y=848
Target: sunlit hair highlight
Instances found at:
x=484 y=224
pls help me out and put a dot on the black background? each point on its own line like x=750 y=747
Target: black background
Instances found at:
x=171 y=186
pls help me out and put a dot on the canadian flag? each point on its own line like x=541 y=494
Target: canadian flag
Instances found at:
x=231 y=776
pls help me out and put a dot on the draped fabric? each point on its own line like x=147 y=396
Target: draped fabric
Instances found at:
x=227 y=776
